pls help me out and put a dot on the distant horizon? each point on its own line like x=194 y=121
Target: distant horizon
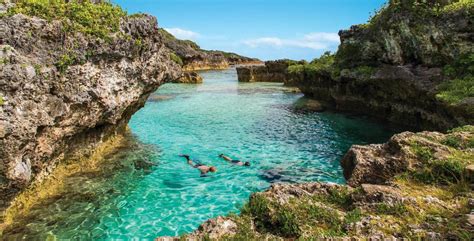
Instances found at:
x=302 y=29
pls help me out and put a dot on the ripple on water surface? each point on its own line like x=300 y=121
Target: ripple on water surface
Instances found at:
x=254 y=122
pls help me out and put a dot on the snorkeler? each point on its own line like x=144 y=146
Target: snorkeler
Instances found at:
x=235 y=162
x=202 y=168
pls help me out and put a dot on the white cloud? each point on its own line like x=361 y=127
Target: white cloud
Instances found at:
x=264 y=41
x=183 y=33
x=316 y=41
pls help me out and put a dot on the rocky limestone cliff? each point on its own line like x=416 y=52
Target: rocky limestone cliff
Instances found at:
x=410 y=65
x=192 y=58
x=64 y=92
x=395 y=67
x=410 y=32
x=272 y=71
x=415 y=186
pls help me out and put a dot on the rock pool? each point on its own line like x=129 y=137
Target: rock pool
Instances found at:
x=256 y=122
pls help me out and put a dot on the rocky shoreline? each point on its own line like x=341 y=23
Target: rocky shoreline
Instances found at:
x=408 y=66
x=67 y=88
x=415 y=186
x=65 y=93
x=192 y=58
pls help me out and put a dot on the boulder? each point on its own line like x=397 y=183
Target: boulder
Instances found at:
x=189 y=78
x=271 y=71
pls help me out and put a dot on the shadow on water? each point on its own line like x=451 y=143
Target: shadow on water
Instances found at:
x=79 y=205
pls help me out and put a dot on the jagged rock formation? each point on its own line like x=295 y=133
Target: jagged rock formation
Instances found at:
x=272 y=71
x=417 y=185
x=194 y=58
x=63 y=92
x=189 y=78
x=395 y=67
x=409 y=65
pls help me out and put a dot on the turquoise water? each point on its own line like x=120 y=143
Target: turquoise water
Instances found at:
x=256 y=122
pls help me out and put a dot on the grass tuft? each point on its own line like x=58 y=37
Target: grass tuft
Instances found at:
x=176 y=59
x=98 y=20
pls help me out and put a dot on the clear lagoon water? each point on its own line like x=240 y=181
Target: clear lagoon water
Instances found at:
x=256 y=122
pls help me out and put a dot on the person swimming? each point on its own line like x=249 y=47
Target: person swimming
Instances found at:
x=235 y=162
x=204 y=169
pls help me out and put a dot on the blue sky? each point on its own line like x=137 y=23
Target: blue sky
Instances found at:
x=266 y=29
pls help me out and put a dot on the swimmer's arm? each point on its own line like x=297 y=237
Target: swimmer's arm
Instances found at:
x=226 y=158
x=190 y=162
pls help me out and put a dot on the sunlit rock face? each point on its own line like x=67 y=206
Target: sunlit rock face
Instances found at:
x=393 y=68
x=193 y=58
x=65 y=93
x=271 y=71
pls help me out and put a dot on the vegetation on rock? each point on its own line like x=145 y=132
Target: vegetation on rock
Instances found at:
x=96 y=19
x=191 y=57
x=429 y=200
x=323 y=64
x=176 y=59
x=461 y=83
x=390 y=67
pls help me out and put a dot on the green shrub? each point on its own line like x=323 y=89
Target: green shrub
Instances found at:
x=192 y=44
x=365 y=70
x=460 y=4
x=295 y=69
x=326 y=216
x=4 y=60
x=456 y=90
x=353 y=216
x=138 y=42
x=452 y=141
x=95 y=19
x=395 y=209
x=176 y=59
x=470 y=143
x=461 y=85
x=287 y=223
x=440 y=172
x=37 y=68
x=467 y=128
x=341 y=198
x=1 y=100
x=259 y=208
x=447 y=171
x=65 y=61
x=136 y=15
x=325 y=61
x=424 y=153
x=463 y=66
x=324 y=64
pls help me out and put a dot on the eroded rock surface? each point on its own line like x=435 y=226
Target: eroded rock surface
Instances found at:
x=414 y=186
x=65 y=92
x=395 y=67
x=194 y=58
x=271 y=71
x=189 y=78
